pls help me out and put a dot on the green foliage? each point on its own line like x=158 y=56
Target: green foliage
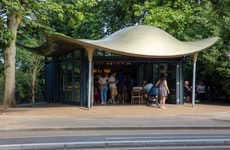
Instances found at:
x=78 y=19
x=1 y=88
x=26 y=61
x=190 y=20
x=23 y=93
x=34 y=23
x=5 y=37
x=23 y=87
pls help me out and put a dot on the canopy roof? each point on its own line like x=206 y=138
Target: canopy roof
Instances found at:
x=140 y=41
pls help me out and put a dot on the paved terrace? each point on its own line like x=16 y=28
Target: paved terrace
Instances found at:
x=66 y=117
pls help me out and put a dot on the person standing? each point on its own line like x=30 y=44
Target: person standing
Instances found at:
x=187 y=91
x=201 y=90
x=163 y=90
x=113 y=87
x=103 y=81
x=147 y=86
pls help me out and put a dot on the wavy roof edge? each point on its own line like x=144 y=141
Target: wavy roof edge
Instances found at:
x=138 y=41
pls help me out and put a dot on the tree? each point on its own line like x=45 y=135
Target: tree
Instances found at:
x=13 y=13
x=29 y=66
x=37 y=65
x=192 y=20
x=14 y=17
x=215 y=64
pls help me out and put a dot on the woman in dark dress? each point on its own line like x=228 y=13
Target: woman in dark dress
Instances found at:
x=187 y=91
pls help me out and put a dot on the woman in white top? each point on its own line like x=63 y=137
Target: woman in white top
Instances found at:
x=103 y=81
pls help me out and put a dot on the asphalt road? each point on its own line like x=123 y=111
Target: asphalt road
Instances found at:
x=117 y=139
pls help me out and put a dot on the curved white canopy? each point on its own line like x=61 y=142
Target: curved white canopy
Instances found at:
x=148 y=41
x=140 y=41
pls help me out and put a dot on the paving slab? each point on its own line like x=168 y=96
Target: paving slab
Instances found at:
x=66 y=117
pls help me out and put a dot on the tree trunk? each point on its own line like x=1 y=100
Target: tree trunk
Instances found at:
x=13 y=22
x=35 y=69
x=34 y=77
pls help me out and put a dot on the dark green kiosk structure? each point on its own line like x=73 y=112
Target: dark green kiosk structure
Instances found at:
x=141 y=51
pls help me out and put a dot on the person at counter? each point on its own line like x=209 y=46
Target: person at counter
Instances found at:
x=113 y=87
x=103 y=82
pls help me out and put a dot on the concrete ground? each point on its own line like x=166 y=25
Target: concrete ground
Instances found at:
x=53 y=117
x=105 y=127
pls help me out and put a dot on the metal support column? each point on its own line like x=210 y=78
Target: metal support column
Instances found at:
x=181 y=83
x=194 y=78
x=90 y=52
x=73 y=82
x=177 y=84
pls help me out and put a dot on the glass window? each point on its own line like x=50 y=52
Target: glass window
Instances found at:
x=104 y=53
x=67 y=82
x=70 y=72
x=77 y=54
x=76 y=83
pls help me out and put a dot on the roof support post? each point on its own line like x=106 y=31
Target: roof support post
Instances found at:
x=177 y=83
x=181 y=87
x=194 y=79
x=90 y=52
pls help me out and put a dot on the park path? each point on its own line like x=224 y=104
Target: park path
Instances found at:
x=126 y=116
